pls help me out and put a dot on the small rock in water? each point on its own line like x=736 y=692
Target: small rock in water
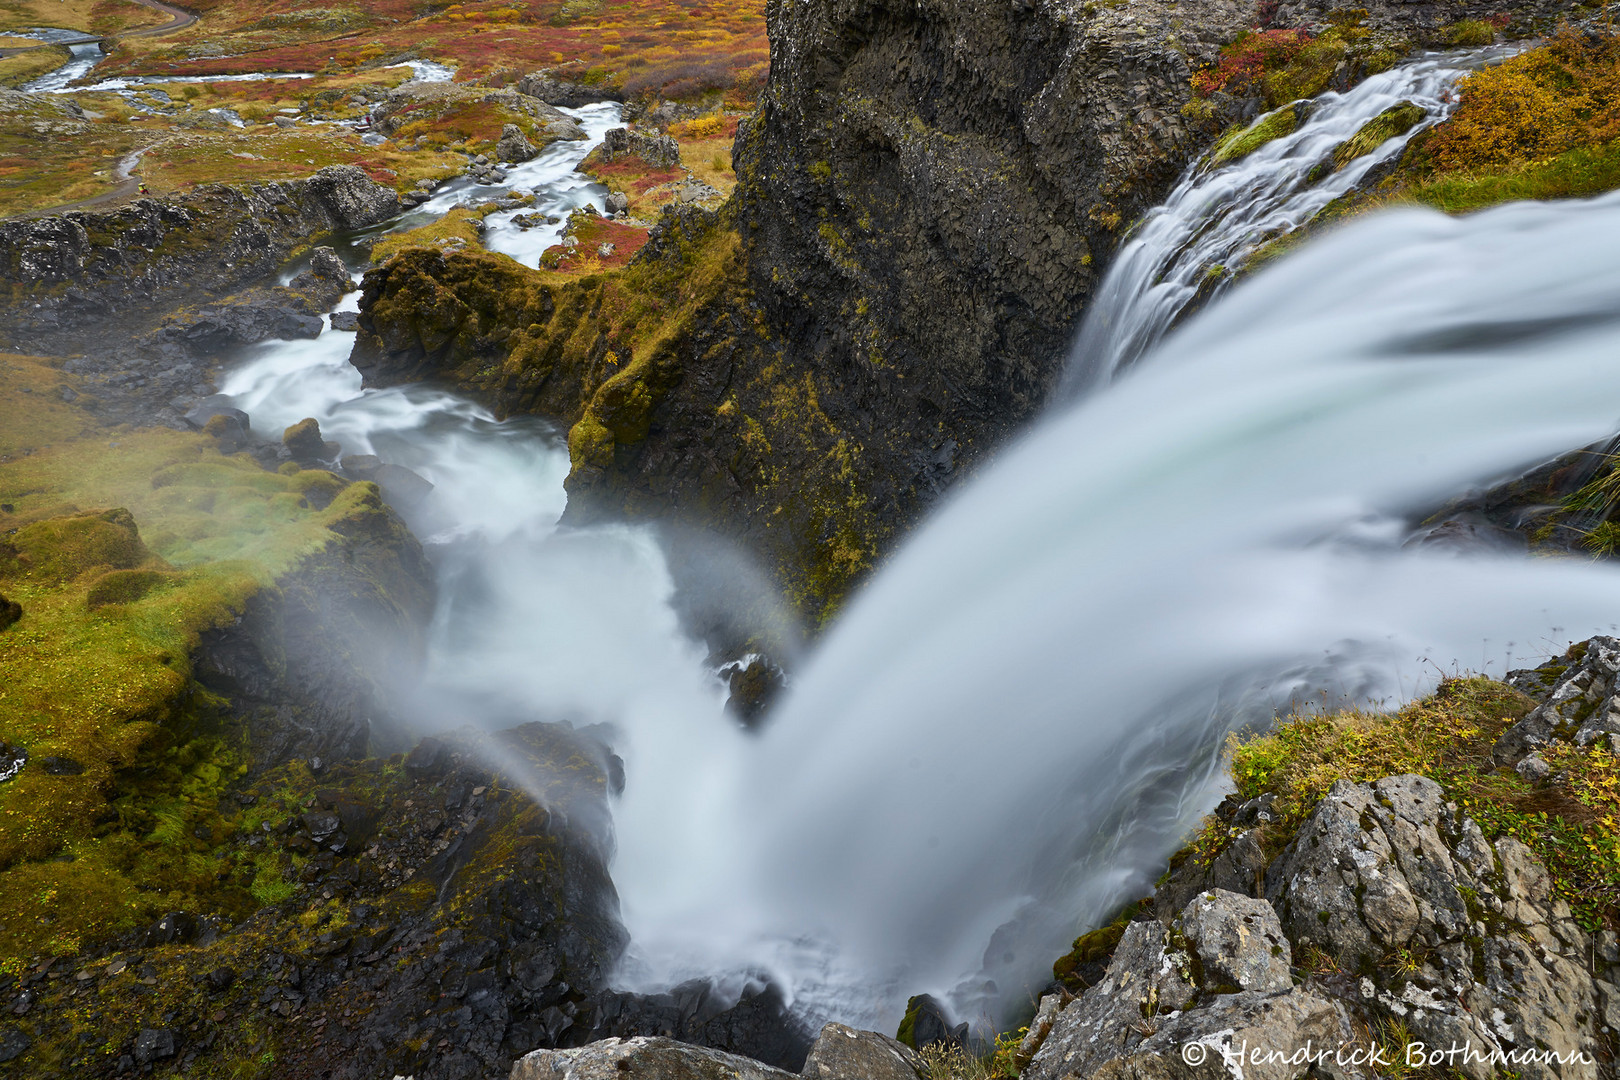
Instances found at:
x=348 y=321
x=400 y=486
x=361 y=466
x=303 y=441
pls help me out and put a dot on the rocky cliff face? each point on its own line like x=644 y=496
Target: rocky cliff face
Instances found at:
x=926 y=197
x=88 y=279
x=930 y=193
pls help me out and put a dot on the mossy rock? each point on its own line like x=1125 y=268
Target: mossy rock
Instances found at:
x=125 y=586
x=1396 y=120
x=1239 y=142
x=61 y=549
x=10 y=612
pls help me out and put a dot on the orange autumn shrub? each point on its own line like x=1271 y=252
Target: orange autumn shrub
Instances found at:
x=1534 y=106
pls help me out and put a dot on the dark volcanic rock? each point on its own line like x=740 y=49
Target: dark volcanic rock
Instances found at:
x=10 y=612
x=140 y=260
x=352 y=198
x=562 y=93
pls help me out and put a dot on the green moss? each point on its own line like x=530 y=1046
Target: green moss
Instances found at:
x=1239 y=141
x=1575 y=174
x=1472 y=33
x=1396 y=120
x=1448 y=737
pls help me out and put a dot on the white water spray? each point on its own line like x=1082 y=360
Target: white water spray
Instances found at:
x=1019 y=718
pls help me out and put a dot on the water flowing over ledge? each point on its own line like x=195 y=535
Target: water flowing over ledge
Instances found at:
x=1021 y=716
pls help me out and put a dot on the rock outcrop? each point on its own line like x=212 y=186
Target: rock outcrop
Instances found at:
x=1580 y=703
x=1217 y=978
x=839 y=1053
x=1388 y=907
x=142 y=260
x=548 y=87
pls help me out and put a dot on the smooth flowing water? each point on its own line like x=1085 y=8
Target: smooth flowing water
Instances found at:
x=1189 y=247
x=1021 y=716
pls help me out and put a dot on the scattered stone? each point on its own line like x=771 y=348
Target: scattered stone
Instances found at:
x=1533 y=769
x=658 y=151
x=174 y=928
x=220 y=979
x=13 y=1044
x=514 y=146
x=153 y=1044
x=617 y=203
x=606 y=250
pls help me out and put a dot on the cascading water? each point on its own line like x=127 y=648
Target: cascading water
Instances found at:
x=1219 y=214
x=1020 y=717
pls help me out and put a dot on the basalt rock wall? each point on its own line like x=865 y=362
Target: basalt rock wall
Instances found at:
x=88 y=279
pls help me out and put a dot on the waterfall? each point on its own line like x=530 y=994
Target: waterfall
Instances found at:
x=1189 y=247
x=1021 y=716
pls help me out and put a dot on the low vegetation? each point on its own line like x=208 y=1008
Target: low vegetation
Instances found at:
x=121 y=548
x=1573 y=824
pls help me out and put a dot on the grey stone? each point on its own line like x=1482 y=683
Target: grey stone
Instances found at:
x=514 y=145
x=1533 y=769
x=641 y=1058
x=400 y=486
x=1239 y=942
x=1136 y=1022
x=844 y=1053
x=154 y=1044
x=353 y=199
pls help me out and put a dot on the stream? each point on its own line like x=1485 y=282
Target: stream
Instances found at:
x=1021 y=716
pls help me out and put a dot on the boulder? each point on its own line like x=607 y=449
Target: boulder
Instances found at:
x=753 y=688
x=844 y=1053
x=400 y=486
x=10 y=612
x=347 y=321
x=153 y=1044
x=617 y=202
x=304 y=443
x=212 y=406
x=563 y=93
x=839 y=1053
x=1152 y=1003
x=353 y=199
x=1580 y=702
x=926 y=1022
x=1488 y=956
x=1238 y=941
x=360 y=466
x=641 y=1058
x=658 y=151
x=514 y=145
